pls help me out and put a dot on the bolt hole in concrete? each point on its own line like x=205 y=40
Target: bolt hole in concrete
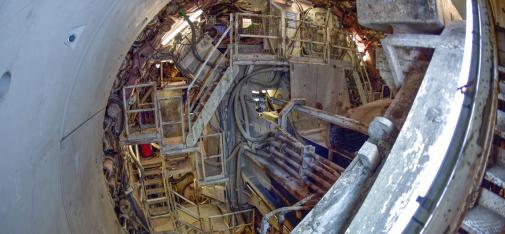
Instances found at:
x=5 y=82
x=71 y=38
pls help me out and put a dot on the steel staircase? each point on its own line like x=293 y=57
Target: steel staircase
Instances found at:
x=203 y=96
x=208 y=104
x=488 y=214
x=154 y=188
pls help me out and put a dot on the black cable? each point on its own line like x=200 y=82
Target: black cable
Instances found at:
x=194 y=41
x=235 y=91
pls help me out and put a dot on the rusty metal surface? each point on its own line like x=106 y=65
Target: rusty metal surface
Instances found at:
x=211 y=105
x=399 y=182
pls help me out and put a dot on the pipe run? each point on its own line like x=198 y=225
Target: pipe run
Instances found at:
x=338 y=120
x=282 y=211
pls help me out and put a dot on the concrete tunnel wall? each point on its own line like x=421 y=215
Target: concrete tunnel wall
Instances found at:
x=52 y=98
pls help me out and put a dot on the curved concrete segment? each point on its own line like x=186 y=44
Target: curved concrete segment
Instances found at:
x=62 y=56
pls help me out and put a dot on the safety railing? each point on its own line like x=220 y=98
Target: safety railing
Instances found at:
x=257 y=34
x=171 y=118
x=141 y=121
x=342 y=45
x=231 y=222
x=209 y=81
x=360 y=67
x=306 y=39
x=210 y=165
x=185 y=215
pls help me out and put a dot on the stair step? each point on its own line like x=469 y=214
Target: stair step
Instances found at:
x=492 y=202
x=177 y=149
x=159 y=216
x=498 y=153
x=156 y=200
x=496 y=175
x=501 y=86
x=499 y=133
x=147 y=136
x=153 y=181
x=483 y=220
x=158 y=211
x=152 y=172
x=501 y=69
x=500 y=120
x=501 y=102
x=157 y=190
x=151 y=162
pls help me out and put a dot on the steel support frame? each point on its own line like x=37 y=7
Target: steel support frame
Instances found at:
x=210 y=106
x=341 y=121
x=201 y=157
x=394 y=188
x=404 y=40
x=127 y=111
x=180 y=122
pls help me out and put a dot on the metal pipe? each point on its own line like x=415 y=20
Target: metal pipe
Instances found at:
x=286 y=168
x=316 y=167
x=296 y=156
x=281 y=147
x=295 y=145
x=326 y=162
x=338 y=120
x=317 y=189
x=285 y=159
x=340 y=199
x=293 y=186
x=318 y=179
x=290 y=139
x=328 y=168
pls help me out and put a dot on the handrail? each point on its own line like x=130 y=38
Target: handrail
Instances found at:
x=200 y=70
x=209 y=55
x=206 y=83
x=266 y=34
x=230 y=213
x=188 y=211
x=234 y=225
x=183 y=198
x=139 y=109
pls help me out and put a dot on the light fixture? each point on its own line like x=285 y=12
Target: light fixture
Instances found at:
x=157 y=65
x=172 y=33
